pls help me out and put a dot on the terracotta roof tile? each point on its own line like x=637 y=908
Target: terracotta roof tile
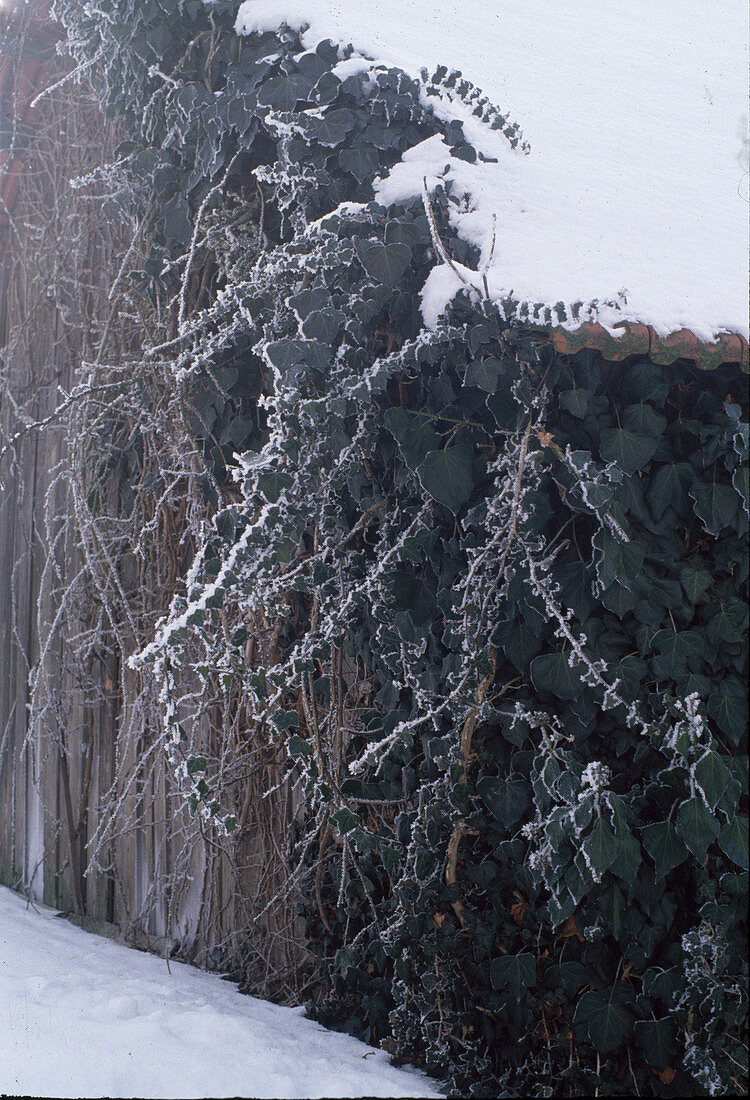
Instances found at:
x=637 y=339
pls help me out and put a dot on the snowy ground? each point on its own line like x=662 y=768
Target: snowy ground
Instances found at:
x=637 y=119
x=83 y=1016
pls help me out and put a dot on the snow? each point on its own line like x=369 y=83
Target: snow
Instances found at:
x=81 y=1015
x=635 y=188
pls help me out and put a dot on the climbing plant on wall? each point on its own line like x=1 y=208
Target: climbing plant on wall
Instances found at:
x=490 y=599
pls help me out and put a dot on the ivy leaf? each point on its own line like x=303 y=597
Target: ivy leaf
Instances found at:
x=385 y=263
x=716 y=505
x=363 y=163
x=656 y=1039
x=608 y=1021
x=645 y=381
x=284 y=92
x=729 y=711
x=729 y=624
x=713 y=777
x=196 y=764
x=628 y=859
x=484 y=373
x=519 y=641
x=323 y=324
x=333 y=127
x=630 y=450
x=551 y=672
x=298 y=747
x=616 y=560
x=448 y=475
x=345 y=820
x=696 y=826
x=290 y=357
x=600 y=849
x=668 y=488
x=675 y=649
x=285 y=719
x=644 y=420
x=513 y=972
x=507 y=799
x=576 y=402
x=695 y=582
x=570 y=975
x=307 y=301
x=664 y=846
x=272 y=485
x=504 y=408
x=415 y=438
x=733 y=841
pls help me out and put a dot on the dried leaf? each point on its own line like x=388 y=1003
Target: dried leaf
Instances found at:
x=666 y=1076
x=570 y=928
x=518 y=909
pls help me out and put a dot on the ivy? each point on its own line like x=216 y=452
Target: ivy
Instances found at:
x=486 y=600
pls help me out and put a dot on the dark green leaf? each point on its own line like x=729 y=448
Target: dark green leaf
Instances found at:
x=519 y=641
x=645 y=381
x=628 y=859
x=552 y=672
x=414 y=435
x=664 y=846
x=273 y=484
x=323 y=324
x=285 y=719
x=729 y=711
x=733 y=841
x=508 y=799
x=668 y=488
x=363 y=163
x=345 y=820
x=616 y=560
x=656 y=1039
x=629 y=450
x=196 y=764
x=644 y=420
x=385 y=262
x=695 y=582
x=741 y=483
x=484 y=373
x=609 y=1022
x=576 y=402
x=283 y=92
x=712 y=775
x=696 y=826
x=570 y=975
x=292 y=356
x=504 y=408
x=674 y=650
x=729 y=624
x=716 y=505
x=600 y=849
x=333 y=127
x=448 y=475
x=514 y=973
x=298 y=747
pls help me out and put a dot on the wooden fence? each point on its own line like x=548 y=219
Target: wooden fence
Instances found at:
x=90 y=818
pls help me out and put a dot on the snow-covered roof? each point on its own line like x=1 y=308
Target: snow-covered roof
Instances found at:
x=635 y=185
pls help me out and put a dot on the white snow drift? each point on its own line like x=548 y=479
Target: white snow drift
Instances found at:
x=636 y=117
x=83 y=1016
